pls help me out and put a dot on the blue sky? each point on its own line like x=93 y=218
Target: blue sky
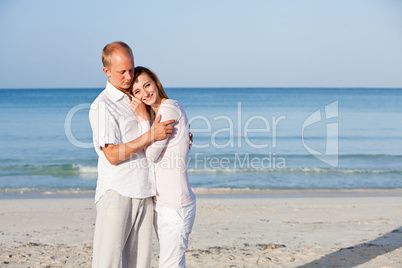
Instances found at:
x=226 y=43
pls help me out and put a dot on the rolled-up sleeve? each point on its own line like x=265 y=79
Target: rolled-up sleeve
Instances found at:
x=104 y=125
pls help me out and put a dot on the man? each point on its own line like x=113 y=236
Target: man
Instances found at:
x=124 y=191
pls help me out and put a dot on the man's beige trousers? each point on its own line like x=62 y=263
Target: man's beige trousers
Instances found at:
x=123 y=232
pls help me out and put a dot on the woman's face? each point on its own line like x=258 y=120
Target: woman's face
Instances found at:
x=145 y=90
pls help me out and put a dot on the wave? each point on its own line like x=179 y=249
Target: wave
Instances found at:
x=86 y=169
x=77 y=170
x=77 y=176
x=305 y=171
x=275 y=154
x=55 y=170
x=90 y=171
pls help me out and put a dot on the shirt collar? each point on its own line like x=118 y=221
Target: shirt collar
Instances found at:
x=114 y=92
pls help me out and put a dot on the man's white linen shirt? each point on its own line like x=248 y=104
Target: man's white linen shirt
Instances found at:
x=113 y=122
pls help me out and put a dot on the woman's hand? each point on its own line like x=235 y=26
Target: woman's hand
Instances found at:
x=140 y=110
x=190 y=143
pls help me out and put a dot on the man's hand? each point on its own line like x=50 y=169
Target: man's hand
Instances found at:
x=160 y=131
x=117 y=153
x=139 y=109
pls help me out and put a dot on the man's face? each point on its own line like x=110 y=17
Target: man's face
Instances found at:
x=121 y=70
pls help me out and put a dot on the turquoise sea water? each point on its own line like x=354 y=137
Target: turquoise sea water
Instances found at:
x=264 y=138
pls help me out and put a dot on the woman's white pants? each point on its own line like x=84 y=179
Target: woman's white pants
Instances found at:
x=173 y=227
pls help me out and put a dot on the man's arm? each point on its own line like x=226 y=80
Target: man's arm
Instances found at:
x=118 y=153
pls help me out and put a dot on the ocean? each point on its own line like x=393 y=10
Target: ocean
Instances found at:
x=258 y=138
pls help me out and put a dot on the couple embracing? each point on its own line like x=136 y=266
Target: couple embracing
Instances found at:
x=137 y=129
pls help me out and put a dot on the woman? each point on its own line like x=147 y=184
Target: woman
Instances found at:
x=174 y=203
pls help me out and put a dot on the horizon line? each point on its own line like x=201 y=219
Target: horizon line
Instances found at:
x=224 y=87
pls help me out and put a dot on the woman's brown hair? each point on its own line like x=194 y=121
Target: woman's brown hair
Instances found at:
x=140 y=70
x=161 y=91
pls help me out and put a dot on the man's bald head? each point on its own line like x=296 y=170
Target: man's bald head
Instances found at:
x=109 y=49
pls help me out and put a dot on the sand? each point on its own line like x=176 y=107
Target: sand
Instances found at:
x=232 y=229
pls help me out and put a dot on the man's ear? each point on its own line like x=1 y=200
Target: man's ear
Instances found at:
x=106 y=71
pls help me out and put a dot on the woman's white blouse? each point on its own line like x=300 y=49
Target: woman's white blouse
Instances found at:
x=170 y=159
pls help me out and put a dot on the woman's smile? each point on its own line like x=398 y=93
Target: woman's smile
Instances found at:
x=145 y=89
x=148 y=98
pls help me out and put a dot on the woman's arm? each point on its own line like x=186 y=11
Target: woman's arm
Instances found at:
x=168 y=111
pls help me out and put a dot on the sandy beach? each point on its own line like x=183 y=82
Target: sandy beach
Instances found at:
x=361 y=228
